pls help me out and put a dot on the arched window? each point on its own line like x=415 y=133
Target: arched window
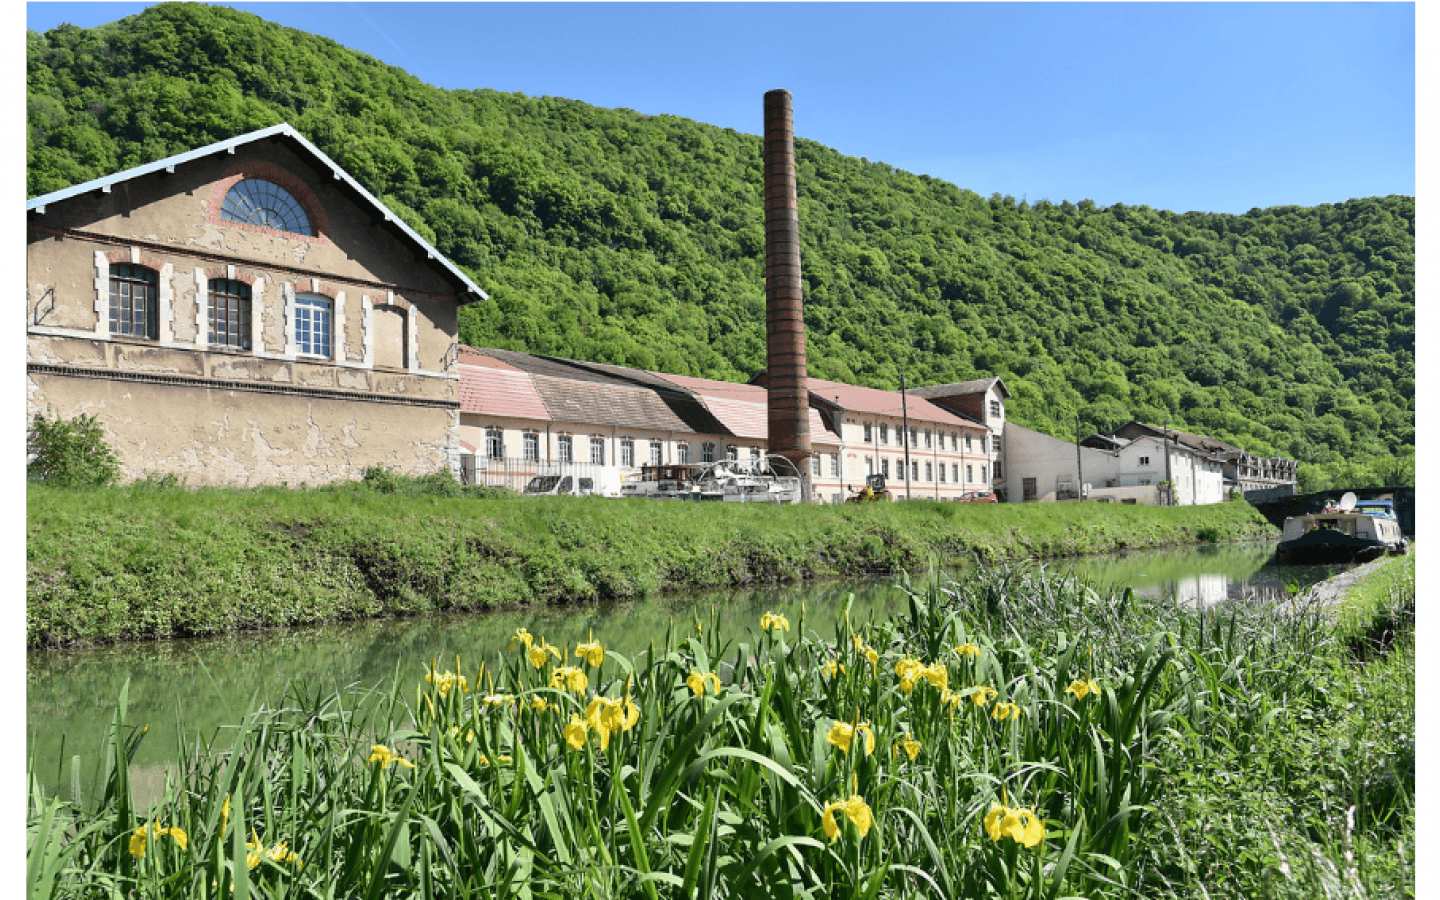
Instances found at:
x=134 y=301
x=254 y=201
x=229 y=313
x=313 y=324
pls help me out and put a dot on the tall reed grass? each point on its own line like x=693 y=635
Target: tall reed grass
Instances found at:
x=1014 y=735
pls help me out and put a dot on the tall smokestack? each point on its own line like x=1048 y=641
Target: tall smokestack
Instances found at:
x=788 y=397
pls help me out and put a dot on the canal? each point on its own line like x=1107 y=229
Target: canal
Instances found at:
x=196 y=686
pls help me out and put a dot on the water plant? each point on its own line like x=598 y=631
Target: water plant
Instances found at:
x=1014 y=735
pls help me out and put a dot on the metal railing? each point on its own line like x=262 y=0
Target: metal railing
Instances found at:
x=513 y=474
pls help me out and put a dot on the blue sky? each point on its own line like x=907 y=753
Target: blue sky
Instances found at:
x=1206 y=106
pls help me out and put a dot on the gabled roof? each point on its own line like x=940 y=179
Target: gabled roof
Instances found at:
x=281 y=131
x=977 y=386
x=1196 y=442
x=854 y=398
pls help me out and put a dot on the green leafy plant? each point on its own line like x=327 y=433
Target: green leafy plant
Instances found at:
x=72 y=453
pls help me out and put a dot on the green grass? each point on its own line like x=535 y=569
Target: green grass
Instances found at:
x=1240 y=752
x=156 y=560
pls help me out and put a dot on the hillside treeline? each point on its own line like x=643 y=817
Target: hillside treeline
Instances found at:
x=612 y=236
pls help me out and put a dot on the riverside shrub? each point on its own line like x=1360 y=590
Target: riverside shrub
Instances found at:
x=72 y=453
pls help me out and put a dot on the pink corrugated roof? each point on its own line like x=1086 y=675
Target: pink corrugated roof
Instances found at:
x=883 y=403
x=489 y=387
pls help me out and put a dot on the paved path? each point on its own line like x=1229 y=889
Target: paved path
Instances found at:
x=1331 y=591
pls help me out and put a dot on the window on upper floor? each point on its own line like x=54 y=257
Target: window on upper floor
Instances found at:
x=707 y=452
x=134 y=301
x=1144 y=460
x=884 y=433
x=815 y=464
x=834 y=465
x=254 y=201
x=869 y=432
x=954 y=441
x=914 y=437
x=314 y=320
x=927 y=439
x=229 y=313
x=995 y=408
x=967 y=443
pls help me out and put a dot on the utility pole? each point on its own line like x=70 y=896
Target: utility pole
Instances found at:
x=1079 y=473
x=1169 y=482
x=905 y=434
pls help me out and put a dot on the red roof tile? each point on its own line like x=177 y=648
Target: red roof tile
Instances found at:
x=884 y=403
x=489 y=387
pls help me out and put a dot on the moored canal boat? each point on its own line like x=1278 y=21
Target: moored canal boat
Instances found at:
x=1350 y=531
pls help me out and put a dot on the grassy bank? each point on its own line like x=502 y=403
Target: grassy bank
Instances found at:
x=148 y=560
x=1012 y=735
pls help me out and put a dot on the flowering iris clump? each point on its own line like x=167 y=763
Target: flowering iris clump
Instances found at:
x=855 y=809
x=280 y=853
x=832 y=668
x=968 y=649
x=606 y=717
x=1020 y=825
x=1082 y=688
x=983 y=695
x=153 y=832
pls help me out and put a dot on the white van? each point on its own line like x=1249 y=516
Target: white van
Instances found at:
x=593 y=481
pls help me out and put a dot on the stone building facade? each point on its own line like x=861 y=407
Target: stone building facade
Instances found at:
x=244 y=313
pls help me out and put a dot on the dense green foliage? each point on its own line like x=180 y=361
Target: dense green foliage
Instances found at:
x=1009 y=735
x=155 y=560
x=71 y=453
x=612 y=236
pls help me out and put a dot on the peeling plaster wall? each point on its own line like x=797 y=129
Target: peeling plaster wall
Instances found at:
x=213 y=436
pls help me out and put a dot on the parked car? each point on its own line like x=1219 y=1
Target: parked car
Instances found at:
x=978 y=497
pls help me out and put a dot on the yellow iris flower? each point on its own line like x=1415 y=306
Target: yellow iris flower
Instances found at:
x=910 y=671
x=385 y=756
x=983 y=695
x=1083 y=687
x=937 y=675
x=153 y=832
x=1020 y=825
x=592 y=652
x=697 y=682
x=570 y=678
x=968 y=649
x=280 y=853
x=537 y=654
x=1003 y=711
x=832 y=668
x=855 y=809
x=539 y=704
x=609 y=716
x=950 y=698
x=771 y=621
x=575 y=732
x=911 y=747
x=444 y=681
x=843 y=734
x=498 y=700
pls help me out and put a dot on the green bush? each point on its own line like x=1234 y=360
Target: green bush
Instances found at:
x=72 y=453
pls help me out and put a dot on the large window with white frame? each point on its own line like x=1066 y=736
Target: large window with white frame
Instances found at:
x=229 y=313
x=565 y=448
x=134 y=301
x=494 y=443
x=597 y=450
x=314 y=322
x=627 y=451
x=682 y=453
x=884 y=433
x=707 y=452
x=834 y=465
x=530 y=445
x=657 y=452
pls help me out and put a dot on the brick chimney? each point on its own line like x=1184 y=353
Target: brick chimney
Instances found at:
x=788 y=395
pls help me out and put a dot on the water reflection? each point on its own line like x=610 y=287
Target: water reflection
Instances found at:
x=211 y=682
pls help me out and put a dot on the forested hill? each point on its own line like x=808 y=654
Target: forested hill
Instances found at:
x=612 y=236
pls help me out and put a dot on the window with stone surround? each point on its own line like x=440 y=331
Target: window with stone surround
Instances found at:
x=597 y=451
x=627 y=451
x=565 y=448
x=314 y=323
x=134 y=301
x=530 y=446
x=264 y=204
x=657 y=451
x=229 y=313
